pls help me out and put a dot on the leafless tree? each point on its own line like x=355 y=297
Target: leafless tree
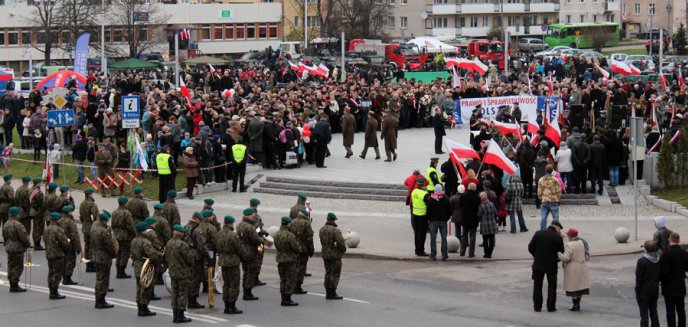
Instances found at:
x=79 y=16
x=46 y=16
x=142 y=24
x=359 y=18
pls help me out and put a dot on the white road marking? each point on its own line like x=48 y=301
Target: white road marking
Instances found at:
x=345 y=299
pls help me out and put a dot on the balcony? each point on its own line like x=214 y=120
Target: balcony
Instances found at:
x=442 y=8
x=544 y=7
x=475 y=31
x=535 y=30
x=514 y=8
x=612 y=6
x=478 y=8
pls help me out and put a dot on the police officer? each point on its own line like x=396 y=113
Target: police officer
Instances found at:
x=167 y=172
x=258 y=222
x=333 y=248
x=302 y=229
x=16 y=243
x=288 y=250
x=56 y=245
x=419 y=219
x=74 y=249
x=36 y=214
x=88 y=213
x=231 y=252
x=6 y=198
x=179 y=260
x=141 y=250
x=238 y=161
x=196 y=240
x=137 y=205
x=251 y=241
x=102 y=251
x=170 y=211
x=123 y=229
x=432 y=174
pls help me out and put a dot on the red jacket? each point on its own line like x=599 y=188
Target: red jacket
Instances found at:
x=411 y=183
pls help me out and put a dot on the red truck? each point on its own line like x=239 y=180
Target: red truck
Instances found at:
x=488 y=51
x=397 y=54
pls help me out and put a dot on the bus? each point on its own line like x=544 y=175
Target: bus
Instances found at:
x=580 y=35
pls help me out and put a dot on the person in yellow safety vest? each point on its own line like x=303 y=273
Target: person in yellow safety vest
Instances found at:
x=432 y=174
x=419 y=219
x=239 y=158
x=167 y=173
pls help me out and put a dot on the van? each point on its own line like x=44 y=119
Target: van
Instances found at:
x=528 y=44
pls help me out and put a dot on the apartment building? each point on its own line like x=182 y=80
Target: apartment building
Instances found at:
x=642 y=15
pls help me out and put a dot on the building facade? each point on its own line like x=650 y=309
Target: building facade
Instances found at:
x=589 y=11
x=640 y=16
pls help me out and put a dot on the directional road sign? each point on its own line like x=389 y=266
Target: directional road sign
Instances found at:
x=58 y=118
x=131 y=108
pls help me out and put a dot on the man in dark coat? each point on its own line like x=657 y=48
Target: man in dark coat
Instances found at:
x=322 y=135
x=438 y=126
x=390 y=129
x=469 y=203
x=544 y=246
x=598 y=156
x=371 y=136
x=674 y=265
x=450 y=179
x=348 y=130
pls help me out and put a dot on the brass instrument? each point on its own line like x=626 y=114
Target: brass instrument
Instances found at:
x=211 y=286
x=147 y=273
x=28 y=264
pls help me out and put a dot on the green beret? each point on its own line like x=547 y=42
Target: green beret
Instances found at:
x=14 y=211
x=178 y=228
x=286 y=220
x=55 y=215
x=305 y=212
x=198 y=215
x=26 y=179
x=7 y=177
x=254 y=202
x=52 y=186
x=158 y=206
x=122 y=199
x=141 y=226
x=150 y=220
x=64 y=188
x=67 y=209
x=89 y=191
x=248 y=211
x=107 y=213
x=303 y=196
x=138 y=190
x=171 y=194
x=207 y=213
x=229 y=219
x=104 y=217
x=331 y=216
x=37 y=180
x=209 y=201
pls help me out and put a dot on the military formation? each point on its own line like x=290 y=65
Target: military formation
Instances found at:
x=159 y=244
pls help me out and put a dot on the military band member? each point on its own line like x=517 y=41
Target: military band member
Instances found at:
x=141 y=250
x=170 y=211
x=162 y=227
x=230 y=251
x=56 y=245
x=123 y=229
x=137 y=206
x=179 y=260
x=88 y=213
x=64 y=199
x=16 y=243
x=196 y=239
x=21 y=200
x=208 y=204
x=74 y=249
x=288 y=250
x=301 y=228
x=258 y=222
x=36 y=214
x=102 y=251
x=209 y=231
x=300 y=204
x=333 y=248
x=159 y=246
x=51 y=202
x=6 y=199
x=251 y=242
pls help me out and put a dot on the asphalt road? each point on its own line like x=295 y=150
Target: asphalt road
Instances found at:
x=378 y=293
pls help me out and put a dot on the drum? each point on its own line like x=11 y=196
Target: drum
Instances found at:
x=167 y=280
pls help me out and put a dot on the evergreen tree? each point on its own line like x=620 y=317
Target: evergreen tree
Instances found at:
x=666 y=166
x=680 y=40
x=682 y=158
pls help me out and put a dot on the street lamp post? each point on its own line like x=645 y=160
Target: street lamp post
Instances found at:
x=671 y=19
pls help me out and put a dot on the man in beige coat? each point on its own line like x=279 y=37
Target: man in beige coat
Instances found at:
x=576 y=276
x=390 y=127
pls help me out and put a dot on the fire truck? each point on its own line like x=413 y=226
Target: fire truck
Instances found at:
x=397 y=54
x=488 y=51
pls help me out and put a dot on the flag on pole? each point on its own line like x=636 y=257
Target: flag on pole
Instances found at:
x=184 y=34
x=457 y=162
x=675 y=137
x=530 y=86
x=619 y=67
x=550 y=84
x=184 y=91
x=605 y=74
x=654 y=115
x=212 y=69
x=140 y=155
x=495 y=156
x=456 y=79
x=460 y=151
x=506 y=128
x=664 y=81
x=323 y=70
x=48 y=170
x=552 y=131
x=681 y=82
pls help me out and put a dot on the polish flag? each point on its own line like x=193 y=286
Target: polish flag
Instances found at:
x=675 y=137
x=681 y=82
x=479 y=67
x=495 y=156
x=664 y=81
x=323 y=71
x=654 y=116
x=184 y=34
x=460 y=151
x=48 y=170
x=456 y=79
x=550 y=84
x=602 y=71
x=506 y=128
x=457 y=163
x=622 y=68
x=552 y=132
x=634 y=70
x=656 y=145
x=312 y=69
x=184 y=91
x=294 y=67
x=535 y=140
x=456 y=62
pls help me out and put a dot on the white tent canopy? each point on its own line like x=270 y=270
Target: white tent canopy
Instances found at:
x=433 y=45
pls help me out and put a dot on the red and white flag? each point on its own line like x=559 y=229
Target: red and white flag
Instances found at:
x=293 y=67
x=675 y=137
x=48 y=170
x=184 y=91
x=664 y=81
x=323 y=71
x=619 y=67
x=535 y=140
x=533 y=126
x=681 y=82
x=456 y=79
x=550 y=84
x=312 y=69
x=479 y=67
x=459 y=164
x=656 y=145
x=634 y=70
x=654 y=115
x=184 y=34
x=552 y=132
x=506 y=128
x=495 y=156
x=460 y=151
x=605 y=74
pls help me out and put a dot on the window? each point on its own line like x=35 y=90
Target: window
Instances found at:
x=595 y=1
x=217 y=32
x=2 y=39
x=568 y=19
x=296 y=21
x=651 y=9
x=379 y=2
x=486 y=21
x=582 y=18
x=439 y=22
x=568 y=1
x=240 y=31
x=636 y=9
x=391 y=22
x=401 y=2
x=25 y=37
x=250 y=31
x=116 y=34
x=461 y=22
x=313 y=21
x=440 y=1
x=403 y=22
x=391 y=2
x=474 y=21
x=611 y=18
x=263 y=31
x=205 y=32
x=143 y=33
x=273 y=31
x=496 y=21
x=229 y=32
x=594 y=18
x=510 y=21
x=185 y=2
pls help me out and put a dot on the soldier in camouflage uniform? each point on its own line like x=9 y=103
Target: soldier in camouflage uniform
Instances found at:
x=209 y=231
x=56 y=244
x=251 y=240
x=141 y=249
x=197 y=241
x=123 y=229
x=16 y=242
x=159 y=246
x=137 y=206
x=302 y=229
x=208 y=204
x=300 y=204
x=102 y=252
x=258 y=222
x=36 y=214
x=21 y=200
x=288 y=249
x=231 y=252
x=72 y=254
x=6 y=199
x=170 y=211
x=88 y=213
x=50 y=203
x=162 y=227
x=104 y=162
x=333 y=248
x=64 y=199
x=179 y=260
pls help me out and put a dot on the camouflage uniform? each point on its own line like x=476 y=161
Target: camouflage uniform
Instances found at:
x=251 y=240
x=333 y=248
x=300 y=204
x=162 y=230
x=209 y=230
x=138 y=208
x=102 y=253
x=197 y=241
x=50 y=205
x=258 y=223
x=6 y=201
x=288 y=250
x=16 y=242
x=301 y=228
x=21 y=200
x=56 y=245
x=179 y=260
x=71 y=254
x=36 y=215
x=64 y=199
x=123 y=229
x=104 y=162
x=231 y=252
x=141 y=249
x=88 y=213
x=171 y=212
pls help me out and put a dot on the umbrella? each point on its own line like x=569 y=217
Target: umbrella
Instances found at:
x=61 y=79
x=206 y=60
x=132 y=64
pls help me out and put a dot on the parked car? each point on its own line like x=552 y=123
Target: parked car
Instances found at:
x=594 y=55
x=618 y=56
x=643 y=62
x=528 y=44
x=551 y=52
x=568 y=53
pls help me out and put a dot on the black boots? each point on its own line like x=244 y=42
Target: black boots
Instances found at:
x=231 y=309
x=159 y=281
x=101 y=304
x=121 y=274
x=154 y=297
x=300 y=290
x=259 y=282
x=248 y=295
x=179 y=316
x=332 y=294
x=68 y=281
x=54 y=295
x=37 y=246
x=576 y=305
x=205 y=287
x=15 y=288
x=90 y=267
x=144 y=312
x=287 y=302
x=193 y=304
